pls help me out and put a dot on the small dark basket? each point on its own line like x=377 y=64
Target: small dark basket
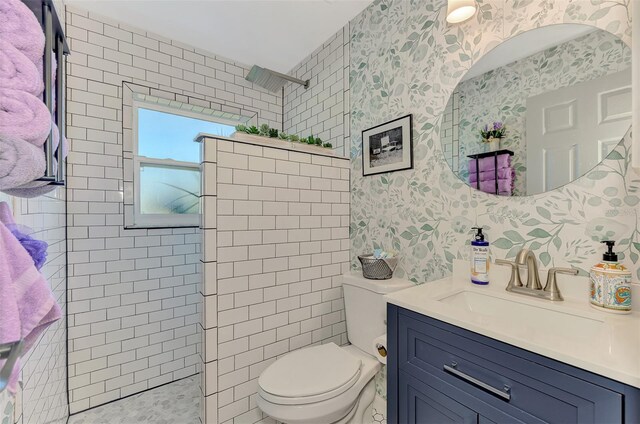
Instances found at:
x=377 y=269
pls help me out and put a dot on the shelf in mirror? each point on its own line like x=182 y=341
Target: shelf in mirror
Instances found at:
x=490 y=154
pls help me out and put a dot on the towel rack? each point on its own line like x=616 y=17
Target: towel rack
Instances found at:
x=495 y=155
x=56 y=42
x=11 y=352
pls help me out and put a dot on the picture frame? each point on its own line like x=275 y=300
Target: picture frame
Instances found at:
x=388 y=147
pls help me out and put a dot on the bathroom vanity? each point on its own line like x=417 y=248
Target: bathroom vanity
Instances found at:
x=466 y=354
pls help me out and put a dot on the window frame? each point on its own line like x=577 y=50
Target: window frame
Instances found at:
x=141 y=220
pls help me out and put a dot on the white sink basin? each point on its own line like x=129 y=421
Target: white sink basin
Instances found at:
x=538 y=319
x=570 y=331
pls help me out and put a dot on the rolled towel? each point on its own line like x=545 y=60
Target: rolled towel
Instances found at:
x=17 y=72
x=505 y=186
x=38 y=188
x=489 y=163
x=20 y=162
x=56 y=141
x=20 y=27
x=33 y=188
x=491 y=175
x=29 y=193
x=24 y=116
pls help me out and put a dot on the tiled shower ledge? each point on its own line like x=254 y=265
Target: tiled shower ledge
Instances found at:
x=274 y=143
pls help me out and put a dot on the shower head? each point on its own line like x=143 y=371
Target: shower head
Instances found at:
x=272 y=80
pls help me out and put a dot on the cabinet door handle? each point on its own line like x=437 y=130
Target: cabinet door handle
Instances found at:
x=504 y=394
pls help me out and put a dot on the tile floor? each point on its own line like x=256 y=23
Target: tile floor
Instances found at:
x=174 y=403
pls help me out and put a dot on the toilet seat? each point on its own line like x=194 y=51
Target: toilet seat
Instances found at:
x=334 y=409
x=310 y=375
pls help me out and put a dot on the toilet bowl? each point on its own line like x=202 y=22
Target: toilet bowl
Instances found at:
x=319 y=384
x=330 y=384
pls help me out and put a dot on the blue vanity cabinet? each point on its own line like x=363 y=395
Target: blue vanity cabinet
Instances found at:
x=440 y=373
x=426 y=404
x=439 y=402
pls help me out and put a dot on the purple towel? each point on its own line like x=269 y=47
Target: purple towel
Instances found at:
x=37 y=249
x=56 y=142
x=33 y=188
x=23 y=116
x=491 y=175
x=20 y=162
x=37 y=190
x=17 y=72
x=505 y=186
x=489 y=164
x=26 y=301
x=20 y=27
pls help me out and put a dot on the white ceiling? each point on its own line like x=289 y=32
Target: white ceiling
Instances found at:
x=527 y=44
x=276 y=34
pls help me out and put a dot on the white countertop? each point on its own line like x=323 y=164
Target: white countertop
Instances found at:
x=605 y=343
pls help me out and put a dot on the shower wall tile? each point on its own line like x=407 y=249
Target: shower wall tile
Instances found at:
x=209 y=322
x=135 y=294
x=282 y=245
x=323 y=108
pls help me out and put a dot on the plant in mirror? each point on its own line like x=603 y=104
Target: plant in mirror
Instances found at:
x=564 y=93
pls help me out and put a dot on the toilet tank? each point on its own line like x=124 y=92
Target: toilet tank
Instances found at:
x=366 y=309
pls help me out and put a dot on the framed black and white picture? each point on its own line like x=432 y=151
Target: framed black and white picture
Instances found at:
x=388 y=147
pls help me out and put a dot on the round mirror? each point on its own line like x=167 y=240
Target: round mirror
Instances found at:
x=539 y=110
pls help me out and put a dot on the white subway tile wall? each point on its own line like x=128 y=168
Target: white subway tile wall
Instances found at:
x=134 y=294
x=323 y=108
x=43 y=398
x=273 y=263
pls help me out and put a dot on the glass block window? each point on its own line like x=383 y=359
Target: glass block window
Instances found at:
x=167 y=165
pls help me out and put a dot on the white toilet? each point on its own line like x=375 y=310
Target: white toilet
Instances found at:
x=328 y=383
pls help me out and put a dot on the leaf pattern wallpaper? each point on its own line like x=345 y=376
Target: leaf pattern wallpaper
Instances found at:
x=501 y=94
x=6 y=408
x=405 y=58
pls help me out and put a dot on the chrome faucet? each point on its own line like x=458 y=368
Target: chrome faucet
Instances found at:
x=533 y=287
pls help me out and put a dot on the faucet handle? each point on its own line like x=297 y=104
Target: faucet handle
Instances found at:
x=505 y=262
x=570 y=271
x=515 y=280
x=552 y=285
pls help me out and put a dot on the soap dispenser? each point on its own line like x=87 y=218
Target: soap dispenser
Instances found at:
x=610 y=283
x=479 y=258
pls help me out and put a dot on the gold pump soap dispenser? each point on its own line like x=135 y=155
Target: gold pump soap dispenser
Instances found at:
x=610 y=283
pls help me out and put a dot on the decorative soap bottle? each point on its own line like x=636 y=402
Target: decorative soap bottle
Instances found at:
x=479 y=258
x=610 y=283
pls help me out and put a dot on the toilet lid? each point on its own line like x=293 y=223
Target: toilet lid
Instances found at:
x=309 y=372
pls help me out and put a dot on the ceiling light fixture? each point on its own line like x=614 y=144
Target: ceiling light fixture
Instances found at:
x=460 y=10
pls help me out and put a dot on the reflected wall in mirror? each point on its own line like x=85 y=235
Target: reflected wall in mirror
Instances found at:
x=539 y=110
